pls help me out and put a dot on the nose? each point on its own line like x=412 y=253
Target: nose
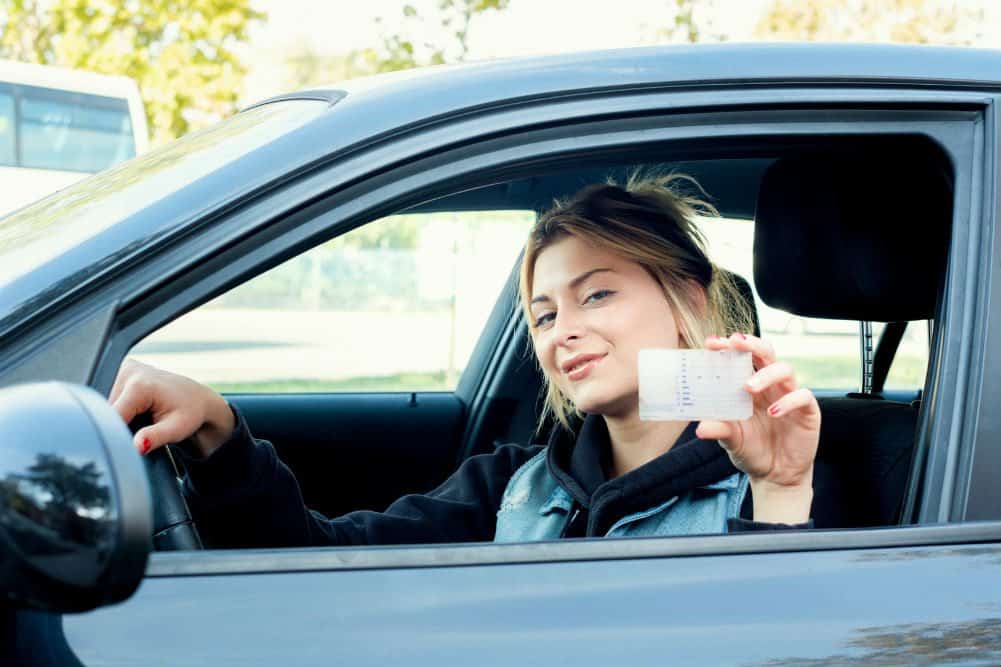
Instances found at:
x=568 y=327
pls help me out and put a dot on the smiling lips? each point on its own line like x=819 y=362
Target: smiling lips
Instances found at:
x=579 y=367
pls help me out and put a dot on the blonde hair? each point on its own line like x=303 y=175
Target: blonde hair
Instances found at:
x=651 y=222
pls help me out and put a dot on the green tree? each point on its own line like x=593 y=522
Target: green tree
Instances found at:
x=907 y=21
x=181 y=52
x=69 y=484
x=692 y=22
x=405 y=50
x=413 y=46
x=306 y=67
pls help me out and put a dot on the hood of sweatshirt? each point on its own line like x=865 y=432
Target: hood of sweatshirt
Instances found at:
x=581 y=463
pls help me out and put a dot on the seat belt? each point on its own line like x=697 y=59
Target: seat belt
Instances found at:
x=865 y=352
x=893 y=333
x=876 y=366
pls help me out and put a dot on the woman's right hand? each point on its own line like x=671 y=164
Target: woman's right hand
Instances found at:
x=181 y=408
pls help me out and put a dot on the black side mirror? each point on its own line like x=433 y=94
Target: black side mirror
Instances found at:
x=75 y=508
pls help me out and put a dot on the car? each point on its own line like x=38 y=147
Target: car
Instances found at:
x=342 y=235
x=57 y=125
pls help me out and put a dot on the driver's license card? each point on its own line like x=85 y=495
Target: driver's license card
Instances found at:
x=694 y=385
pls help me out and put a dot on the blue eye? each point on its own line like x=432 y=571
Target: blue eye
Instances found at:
x=599 y=295
x=544 y=319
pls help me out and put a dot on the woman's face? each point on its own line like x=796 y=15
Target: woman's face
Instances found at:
x=592 y=312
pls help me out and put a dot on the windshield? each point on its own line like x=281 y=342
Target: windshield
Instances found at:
x=44 y=230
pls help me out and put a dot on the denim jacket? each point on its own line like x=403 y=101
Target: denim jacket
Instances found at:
x=536 y=507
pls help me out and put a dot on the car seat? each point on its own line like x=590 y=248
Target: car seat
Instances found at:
x=862 y=237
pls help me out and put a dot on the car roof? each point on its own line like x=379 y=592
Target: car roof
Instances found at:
x=428 y=91
x=379 y=107
x=387 y=102
x=690 y=64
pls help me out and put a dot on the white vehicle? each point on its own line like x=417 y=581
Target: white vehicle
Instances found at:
x=58 y=125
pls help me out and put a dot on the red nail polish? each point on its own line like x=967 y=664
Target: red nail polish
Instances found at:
x=145 y=446
x=774 y=410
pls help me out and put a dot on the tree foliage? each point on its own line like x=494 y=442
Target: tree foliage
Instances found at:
x=432 y=34
x=69 y=484
x=416 y=46
x=691 y=21
x=181 y=52
x=909 y=21
x=305 y=67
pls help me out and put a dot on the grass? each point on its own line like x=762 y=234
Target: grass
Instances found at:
x=843 y=372
x=381 y=383
x=818 y=373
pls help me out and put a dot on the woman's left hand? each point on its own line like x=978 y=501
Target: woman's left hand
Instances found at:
x=776 y=447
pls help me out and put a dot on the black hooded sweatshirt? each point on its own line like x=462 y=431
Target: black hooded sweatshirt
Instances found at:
x=244 y=496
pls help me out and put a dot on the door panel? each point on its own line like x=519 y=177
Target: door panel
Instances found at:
x=878 y=606
x=359 y=451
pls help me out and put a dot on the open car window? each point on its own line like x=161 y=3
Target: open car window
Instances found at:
x=394 y=305
x=340 y=441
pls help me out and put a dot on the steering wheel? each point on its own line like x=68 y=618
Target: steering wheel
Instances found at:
x=173 y=527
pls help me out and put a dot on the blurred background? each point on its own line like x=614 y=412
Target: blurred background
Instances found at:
x=196 y=61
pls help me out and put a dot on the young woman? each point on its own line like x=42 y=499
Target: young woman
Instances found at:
x=610 y=272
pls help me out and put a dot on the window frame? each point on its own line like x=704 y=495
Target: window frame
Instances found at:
x=950 y=118
x=11 y=92
x=977 y=495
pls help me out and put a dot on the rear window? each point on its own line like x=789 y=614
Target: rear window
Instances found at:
x=73 y=131
x=7 y=141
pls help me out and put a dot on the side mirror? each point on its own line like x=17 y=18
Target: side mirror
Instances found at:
x=75 y=508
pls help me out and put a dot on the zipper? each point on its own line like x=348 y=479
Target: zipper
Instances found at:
x=573 y=517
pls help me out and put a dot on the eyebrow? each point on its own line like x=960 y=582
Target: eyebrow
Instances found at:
x=573 y=284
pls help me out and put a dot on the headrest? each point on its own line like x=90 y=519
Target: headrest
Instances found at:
x=855 y=237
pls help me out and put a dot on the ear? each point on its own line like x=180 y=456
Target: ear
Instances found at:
x=696 y=302
x=696 y=294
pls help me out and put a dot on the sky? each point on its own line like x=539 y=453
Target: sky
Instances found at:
x=526 y=27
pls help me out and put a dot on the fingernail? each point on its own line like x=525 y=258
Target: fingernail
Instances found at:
x=754 y=383
x=145 y=446
x=774 y=410
x=741 y=336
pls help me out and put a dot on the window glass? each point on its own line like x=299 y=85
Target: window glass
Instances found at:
x=7 y=145
x=72 y=131
x=396 y=305
x=825 y=353
x=50 y=227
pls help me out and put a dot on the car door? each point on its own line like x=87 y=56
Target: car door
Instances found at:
x=897 y=594
x=713 y=601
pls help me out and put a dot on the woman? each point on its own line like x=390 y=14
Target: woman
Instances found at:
x=605 y=274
